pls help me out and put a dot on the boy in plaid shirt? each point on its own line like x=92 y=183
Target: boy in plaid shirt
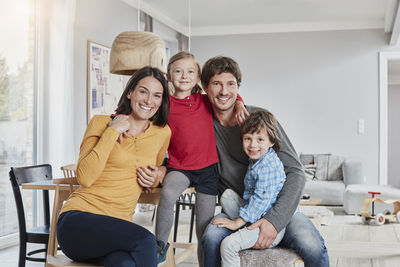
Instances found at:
x=263 y=181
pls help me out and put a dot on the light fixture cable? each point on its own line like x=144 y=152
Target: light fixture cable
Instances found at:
x=138 y=15
x=190 y=31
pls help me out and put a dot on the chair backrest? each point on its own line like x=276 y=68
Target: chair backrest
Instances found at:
x=30 y=174
x=69 y=171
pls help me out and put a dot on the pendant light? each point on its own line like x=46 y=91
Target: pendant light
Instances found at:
x=133 y=50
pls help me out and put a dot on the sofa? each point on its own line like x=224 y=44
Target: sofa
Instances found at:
x=327 y=176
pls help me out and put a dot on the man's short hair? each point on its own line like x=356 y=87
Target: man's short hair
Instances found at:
x=218 y=65
x=259 y=120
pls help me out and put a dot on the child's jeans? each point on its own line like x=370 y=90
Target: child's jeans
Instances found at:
x=241 y=239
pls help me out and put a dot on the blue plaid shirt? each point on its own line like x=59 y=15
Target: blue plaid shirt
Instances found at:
x=263 y=181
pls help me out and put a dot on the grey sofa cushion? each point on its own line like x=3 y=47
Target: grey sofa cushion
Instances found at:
x=353 y=172
x=335 y=171
x=309 y=171
x=321 y=162
x=327 y=166
x=307 y=159
x=330 y=192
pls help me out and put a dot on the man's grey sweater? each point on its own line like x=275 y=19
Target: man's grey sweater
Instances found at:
x=233 y=164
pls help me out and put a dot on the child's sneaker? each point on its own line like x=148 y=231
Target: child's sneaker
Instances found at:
x=161 y=251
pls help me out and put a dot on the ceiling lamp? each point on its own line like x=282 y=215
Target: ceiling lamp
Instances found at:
x=133 y=50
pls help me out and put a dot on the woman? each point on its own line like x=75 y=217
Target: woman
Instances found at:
x=118 y=159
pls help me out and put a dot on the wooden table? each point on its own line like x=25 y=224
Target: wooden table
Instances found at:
x=313 y=201
x=49 y=185
x=44 y=185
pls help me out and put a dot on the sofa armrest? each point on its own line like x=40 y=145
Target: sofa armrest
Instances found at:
x=353 y=172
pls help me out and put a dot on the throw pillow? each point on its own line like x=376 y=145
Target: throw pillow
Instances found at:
x=335 y=168
x=306 y=159
x=321 y=160
x=309 y=170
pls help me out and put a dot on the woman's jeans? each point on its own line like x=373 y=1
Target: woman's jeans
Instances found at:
x=84 y=236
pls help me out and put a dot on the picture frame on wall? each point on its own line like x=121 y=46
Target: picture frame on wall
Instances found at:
x=103 y=88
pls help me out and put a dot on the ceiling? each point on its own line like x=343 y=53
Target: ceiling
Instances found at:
x=218 y=17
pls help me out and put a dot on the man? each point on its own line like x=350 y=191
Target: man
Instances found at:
x=221 y=79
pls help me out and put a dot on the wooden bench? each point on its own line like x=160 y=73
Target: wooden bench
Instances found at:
x=277 y=256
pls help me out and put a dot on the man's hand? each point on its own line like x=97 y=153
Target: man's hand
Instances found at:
x=267 y=233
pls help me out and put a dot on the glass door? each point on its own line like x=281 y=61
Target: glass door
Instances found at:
x=17 y=101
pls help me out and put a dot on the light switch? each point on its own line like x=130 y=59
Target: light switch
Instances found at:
x=361 y=126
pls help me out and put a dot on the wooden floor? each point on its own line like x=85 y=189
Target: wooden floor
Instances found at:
x=349 y=242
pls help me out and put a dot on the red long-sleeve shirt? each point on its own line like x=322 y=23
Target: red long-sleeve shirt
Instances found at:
x=192 y=145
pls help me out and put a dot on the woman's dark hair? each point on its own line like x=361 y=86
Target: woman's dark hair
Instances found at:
x=124 y=104
x=259 y=120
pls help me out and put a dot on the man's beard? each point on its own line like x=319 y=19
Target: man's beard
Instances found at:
x=224 y=107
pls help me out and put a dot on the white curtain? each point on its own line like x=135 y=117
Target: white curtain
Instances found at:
x=57 y=80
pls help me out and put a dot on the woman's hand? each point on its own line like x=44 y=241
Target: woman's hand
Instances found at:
x=121 y=124
x=147 y=176
x=240 y=112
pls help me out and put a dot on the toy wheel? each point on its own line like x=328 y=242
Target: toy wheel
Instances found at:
x=386 y=212
x=379 y=219
x=365 y=220
x=398 y=216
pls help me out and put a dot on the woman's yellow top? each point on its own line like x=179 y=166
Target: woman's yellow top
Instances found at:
x=107 y=170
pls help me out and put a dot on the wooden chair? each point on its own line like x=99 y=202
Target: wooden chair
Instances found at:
x=187 y=198
x=69 y=171
x=39 y=234
x=64 y=187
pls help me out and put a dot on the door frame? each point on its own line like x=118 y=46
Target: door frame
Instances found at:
x=384 y=58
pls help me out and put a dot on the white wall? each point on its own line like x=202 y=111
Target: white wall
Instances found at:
x=167 y=34
x=393 y=135
x=99 y=21
x=318 y=84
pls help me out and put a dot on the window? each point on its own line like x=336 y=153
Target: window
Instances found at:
x=17 y=95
